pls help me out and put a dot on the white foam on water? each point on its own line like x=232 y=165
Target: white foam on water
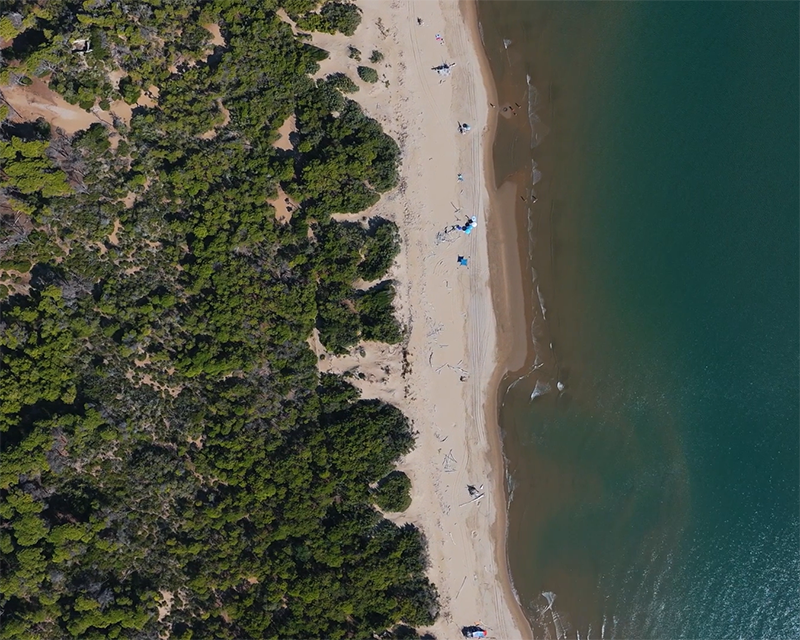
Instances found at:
x=540 y=389
x=538 y=129
x=541 y=302
x=536 y=175
x=506 y=43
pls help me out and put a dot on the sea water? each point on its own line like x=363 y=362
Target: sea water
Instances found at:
x=652 y=438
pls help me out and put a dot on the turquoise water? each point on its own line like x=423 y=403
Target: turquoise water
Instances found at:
x=656 y=496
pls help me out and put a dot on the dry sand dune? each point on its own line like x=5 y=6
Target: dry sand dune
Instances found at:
x=449 y=392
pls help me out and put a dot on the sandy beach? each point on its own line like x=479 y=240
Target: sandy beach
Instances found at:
x=445 y=378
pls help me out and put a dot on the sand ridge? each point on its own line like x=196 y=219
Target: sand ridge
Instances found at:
x=443 y=377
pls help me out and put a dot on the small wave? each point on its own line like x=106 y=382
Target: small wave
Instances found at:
x=538 y=129
x=510 y=485
x=541 y=302
x=536 y=175
x=558 y=626
x=540 y=389
x=506 y=43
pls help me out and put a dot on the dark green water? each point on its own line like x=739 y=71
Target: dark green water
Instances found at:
x=656 y=496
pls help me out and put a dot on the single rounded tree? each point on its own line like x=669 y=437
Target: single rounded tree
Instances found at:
x=392 y=493
x=368 y=74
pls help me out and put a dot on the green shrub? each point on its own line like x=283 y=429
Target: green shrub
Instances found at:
x=368 y=74
x=333 y=17
x=393 y=492
x=312 y=22
x=376 y=313
x=342 y=82
x=7 y=29
x=353 y=53
x=376 y=56
x=94 y=139
x=130 y=92
x=344 y=18
x=23 y=266
x=380 y=250
x=296 y=7
x=338 y=327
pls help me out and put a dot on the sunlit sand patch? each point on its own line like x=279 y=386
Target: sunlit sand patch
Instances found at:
x=39 y=101
x=284 y=207
x=166 y=606
x=113 y=237
x=217 y=40
x=129 y=200
x=281 y=13
x=16 y=282
x=287 y=128
x=149 y=98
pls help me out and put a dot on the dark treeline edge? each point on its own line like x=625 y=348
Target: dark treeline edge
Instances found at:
x=173 y=463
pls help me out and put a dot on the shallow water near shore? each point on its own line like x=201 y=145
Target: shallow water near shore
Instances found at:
x=652 y=438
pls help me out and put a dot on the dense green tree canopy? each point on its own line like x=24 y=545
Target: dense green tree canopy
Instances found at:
x=172 y=460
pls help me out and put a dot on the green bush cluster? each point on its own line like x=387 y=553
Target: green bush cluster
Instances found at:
x=392 y=492
x=345 y=162
x=129 y=91
x=164 y=427
x=346 y=315
x=367 y=74
x=380 y=249
x=342 y=82
x=333 y=17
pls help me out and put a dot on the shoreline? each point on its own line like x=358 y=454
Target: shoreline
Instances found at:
x=445 y=377
x=506 y=275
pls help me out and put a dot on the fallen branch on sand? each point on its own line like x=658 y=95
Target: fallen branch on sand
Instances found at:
x=475 y=499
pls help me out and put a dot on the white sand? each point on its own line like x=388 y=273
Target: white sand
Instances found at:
x=447 y=307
